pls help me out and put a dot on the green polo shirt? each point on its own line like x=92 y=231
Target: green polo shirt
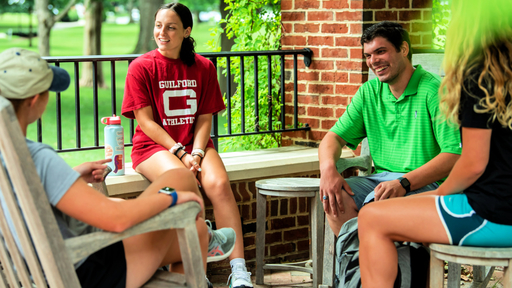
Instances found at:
x=404 y=133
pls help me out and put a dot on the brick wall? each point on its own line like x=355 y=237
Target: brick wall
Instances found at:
x=332 y=30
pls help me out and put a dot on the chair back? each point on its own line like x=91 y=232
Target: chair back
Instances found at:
x=44 y=260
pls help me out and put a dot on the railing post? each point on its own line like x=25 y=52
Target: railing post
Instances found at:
x=214 y=134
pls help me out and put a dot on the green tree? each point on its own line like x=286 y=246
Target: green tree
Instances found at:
x=255 y=25
x=145 y=41
x=441 y=15
x=200 y=6
x=92 y=42
x=46 y=19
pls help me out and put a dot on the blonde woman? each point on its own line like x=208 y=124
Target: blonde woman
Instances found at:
x=473 y=207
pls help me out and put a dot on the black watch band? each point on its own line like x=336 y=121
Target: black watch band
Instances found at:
x=405 y=183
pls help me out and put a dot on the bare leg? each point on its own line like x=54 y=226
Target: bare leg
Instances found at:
x=411 y=219
x=145 y=253
x=350 y=212
x=214 y=179
x=176 y=174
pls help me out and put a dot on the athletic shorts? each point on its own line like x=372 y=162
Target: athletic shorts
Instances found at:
x=141 y=152
x=105 y=268
x=363 y=186
x=465 y=228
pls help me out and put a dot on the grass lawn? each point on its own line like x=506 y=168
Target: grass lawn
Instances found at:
x=116 y=40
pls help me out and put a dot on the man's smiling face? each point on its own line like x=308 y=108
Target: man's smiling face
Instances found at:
x=385 y=62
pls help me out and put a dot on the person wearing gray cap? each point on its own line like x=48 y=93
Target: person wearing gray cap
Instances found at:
x=25 y=80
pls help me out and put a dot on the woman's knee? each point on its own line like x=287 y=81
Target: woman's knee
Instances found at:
x=217 y=187
x=368 y=216
x=180 y=179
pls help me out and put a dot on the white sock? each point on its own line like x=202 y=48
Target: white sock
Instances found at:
x=236 y=261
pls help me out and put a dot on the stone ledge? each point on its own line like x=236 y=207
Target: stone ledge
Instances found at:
x=240 y=166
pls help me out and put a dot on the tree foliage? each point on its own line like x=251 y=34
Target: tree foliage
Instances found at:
x=203 y=5
x=255 y=25
x=441 y=15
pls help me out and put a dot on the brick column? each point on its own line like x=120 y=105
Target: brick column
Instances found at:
x=332 y=30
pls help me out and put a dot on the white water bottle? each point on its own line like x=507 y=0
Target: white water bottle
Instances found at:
x=114 y=144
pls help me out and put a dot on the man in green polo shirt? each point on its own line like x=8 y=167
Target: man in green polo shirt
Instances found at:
x=411 y=146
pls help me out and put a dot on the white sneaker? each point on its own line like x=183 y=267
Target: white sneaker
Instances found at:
x=240 y=278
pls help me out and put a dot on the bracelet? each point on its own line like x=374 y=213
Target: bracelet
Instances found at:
x=198 y=152
x=176 y=148
x=178 y=151
x=182 y=155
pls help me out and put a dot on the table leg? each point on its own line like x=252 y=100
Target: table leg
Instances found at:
x=261 y=215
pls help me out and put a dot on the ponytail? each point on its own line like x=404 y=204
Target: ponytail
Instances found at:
x=187 y=52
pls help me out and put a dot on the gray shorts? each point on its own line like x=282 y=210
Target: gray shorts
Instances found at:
x=363 y=186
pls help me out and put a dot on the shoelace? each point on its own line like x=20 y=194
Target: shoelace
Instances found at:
x=215 y=236
x=239 y=273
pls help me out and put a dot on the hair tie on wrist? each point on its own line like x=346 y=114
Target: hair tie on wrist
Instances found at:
x=176 y=148
x=182 y=155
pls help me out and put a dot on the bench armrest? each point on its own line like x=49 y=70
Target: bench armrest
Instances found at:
x=176 y=217
x=363 y=162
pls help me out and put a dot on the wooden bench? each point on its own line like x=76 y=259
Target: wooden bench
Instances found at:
x=240 y=166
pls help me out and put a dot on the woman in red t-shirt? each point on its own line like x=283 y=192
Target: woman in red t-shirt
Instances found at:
x=172 y=93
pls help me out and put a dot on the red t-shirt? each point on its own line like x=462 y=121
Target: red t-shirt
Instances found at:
x=177 y=94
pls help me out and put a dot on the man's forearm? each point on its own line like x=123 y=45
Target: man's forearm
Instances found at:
x=329 y=151
x=432 y=171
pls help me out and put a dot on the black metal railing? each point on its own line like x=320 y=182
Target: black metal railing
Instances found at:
x=214 y=57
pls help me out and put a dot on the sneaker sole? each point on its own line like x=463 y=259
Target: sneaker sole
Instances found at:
x=210 y=259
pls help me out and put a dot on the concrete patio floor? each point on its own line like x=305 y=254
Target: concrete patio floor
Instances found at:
x=281 y=279
x=295 y=279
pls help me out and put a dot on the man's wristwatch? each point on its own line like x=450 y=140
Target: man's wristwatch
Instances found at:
x=171 y=192
x=405 y=183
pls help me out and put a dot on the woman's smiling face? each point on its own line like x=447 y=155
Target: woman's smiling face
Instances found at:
x=169 y=33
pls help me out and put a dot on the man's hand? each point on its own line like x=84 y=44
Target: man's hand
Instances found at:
x=92 y=172
x=331 y=184
x=389 y=189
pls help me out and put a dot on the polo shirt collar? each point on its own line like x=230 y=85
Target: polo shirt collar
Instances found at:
x=412 y=86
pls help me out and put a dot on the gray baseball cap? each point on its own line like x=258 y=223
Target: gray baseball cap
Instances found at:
x=24 y=73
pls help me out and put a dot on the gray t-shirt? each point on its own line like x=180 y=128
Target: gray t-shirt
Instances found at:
x=56 y=177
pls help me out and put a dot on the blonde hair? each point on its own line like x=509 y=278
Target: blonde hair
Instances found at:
x=479 y=37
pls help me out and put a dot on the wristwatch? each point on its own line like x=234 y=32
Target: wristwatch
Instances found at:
x=405 y=183
x=171 y=192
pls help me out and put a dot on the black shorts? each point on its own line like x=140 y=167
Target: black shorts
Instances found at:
x=105 y=268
